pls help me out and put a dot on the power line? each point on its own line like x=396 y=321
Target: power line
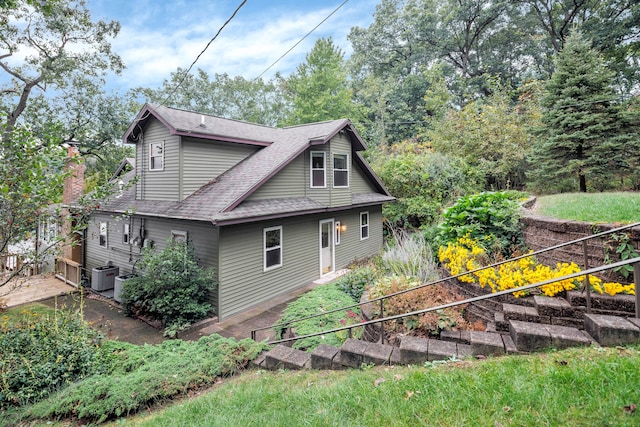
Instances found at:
x=186 y=73
x=302 y=39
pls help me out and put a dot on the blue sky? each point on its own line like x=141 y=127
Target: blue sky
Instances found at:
x=158 y=36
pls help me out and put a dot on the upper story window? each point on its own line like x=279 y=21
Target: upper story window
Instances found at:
x=272 y=247
x=364 y=225
x=341 y=170
x=126 y=233
x=318 y=170
x=156 y=156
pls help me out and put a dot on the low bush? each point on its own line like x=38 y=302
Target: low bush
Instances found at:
x=492 y=218
x=172 y=287
x=426 y=297
x=356 y=281
x=467 y=255
x=40 y=353
x=144 y=375
x=320 y=300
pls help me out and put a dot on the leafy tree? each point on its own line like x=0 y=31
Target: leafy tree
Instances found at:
x=50 y=48
x=254 y=101
x=318 y=90
x=579 y=123
x=490 y=135
x=422 y=181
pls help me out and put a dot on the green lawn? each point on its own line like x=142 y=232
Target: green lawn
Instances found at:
x=619 y=207
x=577 y=387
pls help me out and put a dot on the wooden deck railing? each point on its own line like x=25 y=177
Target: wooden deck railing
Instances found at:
x=69 y=271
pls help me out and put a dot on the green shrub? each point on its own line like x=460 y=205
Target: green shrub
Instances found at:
x=319 y=300
x=146 y=375
x=171 y=288
x=492 y=218
x=422 y=183
x=40 y=353
x=354 y=282
x=409 y=255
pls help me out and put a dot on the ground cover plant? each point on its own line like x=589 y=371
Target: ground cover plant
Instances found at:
x=615 y=207
x=140 y=376
x=317 y=301
x=577 y=387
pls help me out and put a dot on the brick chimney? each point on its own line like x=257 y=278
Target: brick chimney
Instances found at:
x=73 y=189
x=74 y=184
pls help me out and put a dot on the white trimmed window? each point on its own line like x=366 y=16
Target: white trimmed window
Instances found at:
x=338 y=232
x=126 y=234
x=341 y=170
x=364 y=225
x=156 y=156
x=272 y=248
x=179 y=236
x=103 y=236
x=318 y=169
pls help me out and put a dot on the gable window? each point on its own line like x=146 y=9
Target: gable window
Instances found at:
x=318 y=170
x=103 y=237
x=341 y=170
x=364 y=225
x=126 y=234
x=272 y=248
x=156 y=156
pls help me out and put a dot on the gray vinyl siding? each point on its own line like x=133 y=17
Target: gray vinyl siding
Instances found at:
x=202 y=235
x=204 y=161
x=245 y=284
x=286 y=183
x=359 y=182
x=161 y=184
x=340 y=144
x=351 y=247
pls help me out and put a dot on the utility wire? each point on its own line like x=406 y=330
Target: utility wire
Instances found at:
x=186 y=73
x=301 y=40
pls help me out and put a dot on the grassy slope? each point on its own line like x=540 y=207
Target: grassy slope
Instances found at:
x=591 y=207
x=578 y=387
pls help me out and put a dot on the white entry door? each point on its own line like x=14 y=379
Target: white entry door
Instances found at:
x=327 y=247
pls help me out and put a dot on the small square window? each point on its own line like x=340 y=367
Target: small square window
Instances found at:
x=364 y=225
x=272 y=248
x=318 y=170
x=340 y=170
x=156 y=156
x=179 y=236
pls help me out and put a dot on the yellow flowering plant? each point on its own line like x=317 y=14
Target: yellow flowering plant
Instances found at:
x=466 y=254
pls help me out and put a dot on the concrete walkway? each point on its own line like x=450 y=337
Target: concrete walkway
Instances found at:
x=107 y=316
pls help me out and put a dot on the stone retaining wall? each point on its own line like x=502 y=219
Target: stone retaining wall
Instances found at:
x=542 y=232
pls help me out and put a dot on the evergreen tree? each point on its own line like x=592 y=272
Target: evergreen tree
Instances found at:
x=577 y=138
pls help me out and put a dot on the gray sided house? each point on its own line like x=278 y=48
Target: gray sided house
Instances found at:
x=268 y=209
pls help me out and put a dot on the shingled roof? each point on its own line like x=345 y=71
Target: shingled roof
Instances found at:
x=221 y=200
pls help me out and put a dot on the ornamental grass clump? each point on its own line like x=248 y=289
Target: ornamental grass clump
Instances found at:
x=409 y=255
x=467 y=254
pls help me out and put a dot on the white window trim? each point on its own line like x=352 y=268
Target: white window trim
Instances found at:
x=264 y=248
x=338 y=233
x=161 y=144
x=126 y=233
x=367 y=225
x=346 y=170
x=179 y=236
x=324 y=169
x=103 y=230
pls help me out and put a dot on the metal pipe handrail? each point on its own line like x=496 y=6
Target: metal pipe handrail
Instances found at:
x=384 y=297
x=635 y=261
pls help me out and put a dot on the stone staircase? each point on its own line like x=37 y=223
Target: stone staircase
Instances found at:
x=547 y=323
